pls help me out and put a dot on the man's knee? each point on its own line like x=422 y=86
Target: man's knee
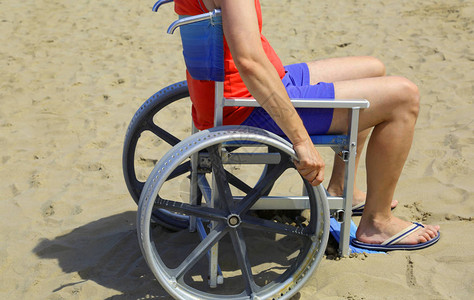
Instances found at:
x=414 y=97
x=410 y=96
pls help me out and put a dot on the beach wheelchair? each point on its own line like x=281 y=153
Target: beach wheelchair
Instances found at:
x=224 y=214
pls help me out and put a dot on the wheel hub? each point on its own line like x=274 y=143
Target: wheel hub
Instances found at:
x=233 y=220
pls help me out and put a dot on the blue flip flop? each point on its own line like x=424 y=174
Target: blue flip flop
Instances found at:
x=358 y=209
x=390 y=244
x=335 y=229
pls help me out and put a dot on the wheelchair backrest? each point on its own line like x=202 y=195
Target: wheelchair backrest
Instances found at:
x=203 y=48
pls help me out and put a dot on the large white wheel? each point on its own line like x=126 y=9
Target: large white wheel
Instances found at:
x=180 y=260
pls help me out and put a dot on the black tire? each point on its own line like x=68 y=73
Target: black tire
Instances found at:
x=143 y=121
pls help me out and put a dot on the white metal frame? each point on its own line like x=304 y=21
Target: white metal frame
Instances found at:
x=341 y=204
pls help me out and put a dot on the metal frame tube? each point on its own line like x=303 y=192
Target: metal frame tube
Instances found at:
x=218 y=121
x=304 y=103
x=192 y=19
x=349 y=181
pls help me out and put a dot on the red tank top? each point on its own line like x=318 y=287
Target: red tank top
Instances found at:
x=202 y=92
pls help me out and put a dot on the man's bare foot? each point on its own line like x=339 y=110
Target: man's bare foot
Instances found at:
x=378 y=231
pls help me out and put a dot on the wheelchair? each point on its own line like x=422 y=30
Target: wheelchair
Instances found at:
x=225 y=195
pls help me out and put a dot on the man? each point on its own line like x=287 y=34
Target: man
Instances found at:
x=253 y=68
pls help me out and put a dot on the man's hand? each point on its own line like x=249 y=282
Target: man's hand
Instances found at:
x=310 y=164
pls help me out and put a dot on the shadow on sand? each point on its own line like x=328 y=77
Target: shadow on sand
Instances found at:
x=105 y=251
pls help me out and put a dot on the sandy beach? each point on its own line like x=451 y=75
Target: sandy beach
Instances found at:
x=73 y=73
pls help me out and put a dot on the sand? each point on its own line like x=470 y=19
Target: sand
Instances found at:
x=74 y=72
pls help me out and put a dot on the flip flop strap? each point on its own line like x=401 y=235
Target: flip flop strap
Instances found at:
x=358 y=206
x=402 y=234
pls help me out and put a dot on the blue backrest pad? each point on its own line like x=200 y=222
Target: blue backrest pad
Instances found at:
x=203 y=49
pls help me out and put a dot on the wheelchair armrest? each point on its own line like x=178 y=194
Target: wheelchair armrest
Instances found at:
x=305 y=103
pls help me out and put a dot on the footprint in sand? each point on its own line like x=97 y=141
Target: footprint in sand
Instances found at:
x=48 y=210
x=35 y=180
x=418 y=214
x=411 y=280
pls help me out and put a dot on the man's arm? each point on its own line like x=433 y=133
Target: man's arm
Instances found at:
x=242 y=33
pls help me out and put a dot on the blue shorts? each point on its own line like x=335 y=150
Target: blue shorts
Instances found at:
x=296 y=82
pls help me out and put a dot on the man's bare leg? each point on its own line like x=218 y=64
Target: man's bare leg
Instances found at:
x=343 y=69
x=336 y=183
x=393 y=113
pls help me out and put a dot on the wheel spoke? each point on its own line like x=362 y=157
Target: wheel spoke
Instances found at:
x=220 y=177
x=203 y=212
x=163 y=134
x=180 y=170
x=271 y=226
x=240 y=248
x=211 y=239
x=138 y=186
x=262 y=186
x=238 y=183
